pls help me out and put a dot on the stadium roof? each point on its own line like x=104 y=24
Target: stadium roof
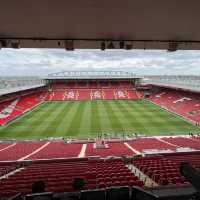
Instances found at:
x=18 y=89
x=141 y=23
x=73 y=75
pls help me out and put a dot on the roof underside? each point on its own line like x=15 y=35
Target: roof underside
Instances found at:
x=148 y=24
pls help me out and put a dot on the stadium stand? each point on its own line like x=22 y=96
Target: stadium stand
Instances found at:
x=93 y=94
x=184 y=103
x=36 y=150
x=12 y=109
x=164 y=169
x=160 y=169
x=57 y=164
x=92 y=90
x=59 y=176
x=59 y=85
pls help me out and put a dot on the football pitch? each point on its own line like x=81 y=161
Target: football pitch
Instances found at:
x=82 y=119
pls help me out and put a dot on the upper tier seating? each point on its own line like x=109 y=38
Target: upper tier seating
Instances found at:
x=92 y=85
x=58 y=176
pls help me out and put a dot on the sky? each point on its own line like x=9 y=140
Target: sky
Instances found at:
x=41 y=62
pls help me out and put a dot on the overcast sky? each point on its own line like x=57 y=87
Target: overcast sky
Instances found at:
x=34 y=62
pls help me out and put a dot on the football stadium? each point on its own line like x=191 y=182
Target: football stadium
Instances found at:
x=99 y=134
x=107 y=107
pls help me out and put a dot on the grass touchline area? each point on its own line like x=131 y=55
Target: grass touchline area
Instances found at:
x=84 y=119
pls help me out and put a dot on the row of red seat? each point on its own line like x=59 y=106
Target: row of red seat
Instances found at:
x=92 y=84
x=183 y=103
x=98 y=173
x=39 y=150
x=142 y=144
x=92 y=94
x=59 y=149
x=11 y=109
x=184 y=142
x=160 y=170
x=114 y=149
x=59 y=176
x=165 y=169
x=19 y=150
x=6 y=168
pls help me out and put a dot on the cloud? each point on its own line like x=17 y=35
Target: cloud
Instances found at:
x=40 y=62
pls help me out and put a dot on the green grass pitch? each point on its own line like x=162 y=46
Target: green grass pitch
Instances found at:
x=83 y=119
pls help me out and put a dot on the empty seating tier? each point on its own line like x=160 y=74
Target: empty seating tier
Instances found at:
x=59 y=176
x=36 y=150
x=185 y=104
x=16 y=107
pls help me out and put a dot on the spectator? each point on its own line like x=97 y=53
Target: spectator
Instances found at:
x=38 y=187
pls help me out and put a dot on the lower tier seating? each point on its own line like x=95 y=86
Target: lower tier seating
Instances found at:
x=20 y=150
x=12 y=109
x=111 y=149
x=184 y=142
x=184 y=103
x=57 y=150
x=144 y=144
x=34 y=150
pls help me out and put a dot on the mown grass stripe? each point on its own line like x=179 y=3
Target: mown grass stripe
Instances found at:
x=63 y=128
x=130 y=117
x=74 y=127
x=114 y=121
x=85 y=122
x=106 y=126
x=56 y=119
x=95 y=118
